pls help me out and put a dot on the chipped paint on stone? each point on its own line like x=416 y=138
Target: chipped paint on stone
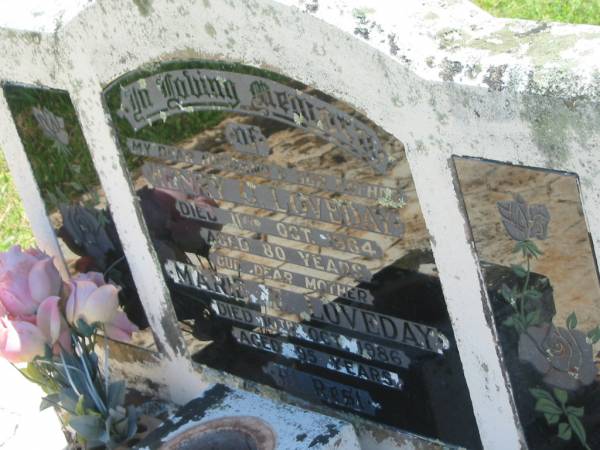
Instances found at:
x=287 y=422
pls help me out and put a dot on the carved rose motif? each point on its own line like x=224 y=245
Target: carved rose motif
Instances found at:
x=523 y=221
x=52 y=125
x=564 y=357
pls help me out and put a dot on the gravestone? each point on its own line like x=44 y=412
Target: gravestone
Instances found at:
x=402 y=240
x=291 y=238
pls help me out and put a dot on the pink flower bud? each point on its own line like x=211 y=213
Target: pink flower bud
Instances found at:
x=16 y=303
x=20 y=341
x=44 y=280
x=80 y=290
x=26 y=278
x=120 y=329
x=49 y=320
x=14 y=260
x=101 y=306
x=95 y=277
x=91 y=303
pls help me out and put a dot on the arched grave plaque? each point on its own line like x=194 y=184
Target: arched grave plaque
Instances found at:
x=293 y=243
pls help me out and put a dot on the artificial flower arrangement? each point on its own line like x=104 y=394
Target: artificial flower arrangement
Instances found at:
x=49 y=330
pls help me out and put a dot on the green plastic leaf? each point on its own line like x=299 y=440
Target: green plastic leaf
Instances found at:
x=552 y=418
x=518 y=270
x=578 y=412
x=80 y=407
x=532 y=294
x=547 y=407
x=68 y=399
x=577 y=427
x=33 y=373
x=85 y=329
x=49 y=401
x=506 y=293
x=132 y=419
x=533 y=317
x=531 y=248
x=541 y=393
x=517 y=247
x=116 y=394
x=509 y=322
x=561 y=395
x=91 y=428
x=594 y=335
x=572 y=321
x=564 y=431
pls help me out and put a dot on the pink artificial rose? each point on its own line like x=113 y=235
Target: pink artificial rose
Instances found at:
x=26 y=278
x=50 y=321
x=20 y=341
x=95 y=277
x=93 y=300
x=120 y=328
x=91 y=303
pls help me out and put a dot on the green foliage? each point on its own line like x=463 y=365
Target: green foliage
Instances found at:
x=594 y=335
x=554 y=406
x=14 y=226
x=572 y=321
x=528 y=248
x=572 y=11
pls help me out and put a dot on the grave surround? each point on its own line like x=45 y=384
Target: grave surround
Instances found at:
x=444 y=78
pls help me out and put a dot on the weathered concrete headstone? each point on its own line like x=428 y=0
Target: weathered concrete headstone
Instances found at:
x=345 y=241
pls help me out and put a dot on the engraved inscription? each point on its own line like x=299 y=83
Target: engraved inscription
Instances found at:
x=181 y=91
x=266 y=170
x=246 y=139
x=280 y=253
x=293 y=232
x=379 y=325
x=319 y=388
x=289 y=328
x=254 y=293
x=246 y=291
x=344 y=316
x=317 y=358
x=376 y=219
x=354 y=294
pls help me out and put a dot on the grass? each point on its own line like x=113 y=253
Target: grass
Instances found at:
x=66 y=176
x=14 y=226
x=571 y=11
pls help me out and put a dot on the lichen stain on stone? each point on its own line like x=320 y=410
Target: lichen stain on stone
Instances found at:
x=494 y=77
x=450 y=69
x=143 y=6
x=450 y=38
x=312 y=6
x=555 y=124
x=206 y=3
x=271 y=12
x=29 y=37
x=540 y=44
x=318 y=51
x=210 y=30
x=393 y=43
x=362 y=28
